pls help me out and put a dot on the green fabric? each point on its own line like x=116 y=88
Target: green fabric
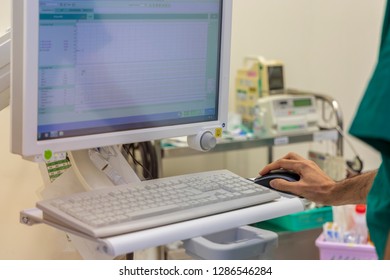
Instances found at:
x=378 y=208
x=372 y=125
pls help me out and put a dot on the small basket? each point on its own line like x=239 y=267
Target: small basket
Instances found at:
x=343 y=251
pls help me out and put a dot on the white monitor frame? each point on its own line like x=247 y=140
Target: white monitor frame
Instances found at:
x=24 y=87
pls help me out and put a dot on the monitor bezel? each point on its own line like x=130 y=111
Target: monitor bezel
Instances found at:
x=24 y=92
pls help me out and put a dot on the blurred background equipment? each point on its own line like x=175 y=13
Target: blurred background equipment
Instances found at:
x=258 y=78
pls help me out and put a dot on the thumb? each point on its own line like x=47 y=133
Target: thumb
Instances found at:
x=286 y=187
x=280 y=184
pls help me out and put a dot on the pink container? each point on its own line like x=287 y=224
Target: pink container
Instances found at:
x=344 y=251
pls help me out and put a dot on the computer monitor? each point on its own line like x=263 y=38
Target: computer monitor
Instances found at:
x=89 y=73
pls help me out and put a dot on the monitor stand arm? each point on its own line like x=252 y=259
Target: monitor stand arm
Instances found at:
x=93 y=169
x=102 y=167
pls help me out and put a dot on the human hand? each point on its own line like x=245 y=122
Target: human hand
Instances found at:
x=313 y=185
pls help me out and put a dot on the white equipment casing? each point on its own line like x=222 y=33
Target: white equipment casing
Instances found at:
x=279 y=115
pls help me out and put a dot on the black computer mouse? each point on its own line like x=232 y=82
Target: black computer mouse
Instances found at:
x=277 y=174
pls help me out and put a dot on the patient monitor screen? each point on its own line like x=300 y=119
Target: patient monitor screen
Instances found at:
x=107 y=66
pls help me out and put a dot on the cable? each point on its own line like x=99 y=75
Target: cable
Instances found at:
x=152 y=159
x=356 y=165
x=148 y=155
x=145 y=160
x=130 y=150
x=341 y=132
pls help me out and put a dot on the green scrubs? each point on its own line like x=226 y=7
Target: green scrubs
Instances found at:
x=372 y=125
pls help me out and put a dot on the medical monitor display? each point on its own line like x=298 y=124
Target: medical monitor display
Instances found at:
x=116 y=71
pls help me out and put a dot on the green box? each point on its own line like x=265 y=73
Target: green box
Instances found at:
x=305 y=220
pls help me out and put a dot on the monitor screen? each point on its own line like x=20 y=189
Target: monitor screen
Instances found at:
x=275 y=77
x=97 y=73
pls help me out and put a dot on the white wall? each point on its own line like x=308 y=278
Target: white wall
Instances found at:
x=327 y=46
x=5 y=15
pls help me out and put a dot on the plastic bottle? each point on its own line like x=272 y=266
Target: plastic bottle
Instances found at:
x=360 y=229
x=259 y=128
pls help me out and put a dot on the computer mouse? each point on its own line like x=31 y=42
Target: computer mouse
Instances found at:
x=287 y=175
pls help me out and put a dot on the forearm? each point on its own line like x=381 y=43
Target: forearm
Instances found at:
x=317 y=186
x=353 y=190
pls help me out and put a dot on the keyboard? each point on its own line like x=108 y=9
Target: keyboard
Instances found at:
x=128 y=208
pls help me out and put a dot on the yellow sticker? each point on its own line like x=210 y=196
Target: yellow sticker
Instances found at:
x=218 y=132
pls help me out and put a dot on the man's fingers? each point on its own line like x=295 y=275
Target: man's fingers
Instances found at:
x=287 y=164
x=286 y=186
x=269 y=167
x=293 y=156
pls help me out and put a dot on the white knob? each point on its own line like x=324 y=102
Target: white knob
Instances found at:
x=208 y=141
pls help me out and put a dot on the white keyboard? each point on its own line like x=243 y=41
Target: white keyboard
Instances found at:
x=128 y=208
